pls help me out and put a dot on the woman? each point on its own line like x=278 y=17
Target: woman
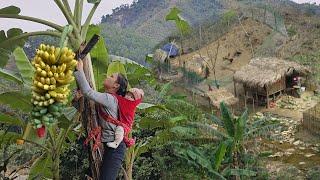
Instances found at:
x=114 y=84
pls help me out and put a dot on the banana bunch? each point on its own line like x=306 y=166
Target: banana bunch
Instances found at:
x=46 y=115
x=53 y=73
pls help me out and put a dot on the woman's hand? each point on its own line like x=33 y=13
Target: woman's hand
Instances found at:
x=79 y=66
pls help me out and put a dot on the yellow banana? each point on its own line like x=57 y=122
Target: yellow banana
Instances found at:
x=42 y=80
x=50 y=74
x=52 y=87
x=43 y=73
x=36 y=65
x=61 y=76
x=63 y=67
x=54 y=69
x=38 y=59
x=47 y=80
x=57 y=52
x=69 y=73
x=53 y=94
x=51 y=50
x=45 y=103
x=40 y=103
x=65 y=81
x=73 y=63
x=43 y=47
x=53 y=81
x=47 y=47
x=42 y=65
x=47 y=68
x=46 y=56
x=62 y=90
x=40 y=85
x=42 y=98
x=64 y=50
x=47 y=96
x=56 y=75
x=51 y=101
x=52 y=58
x=69 y=52
x=63 y=58
x=38 y=70
x=46 y=87
x=35 y=88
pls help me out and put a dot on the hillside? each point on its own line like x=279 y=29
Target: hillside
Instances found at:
x=289 y=32
x=235 y=40
x=146 y=18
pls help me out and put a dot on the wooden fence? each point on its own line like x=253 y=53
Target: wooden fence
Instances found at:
x=311 y=119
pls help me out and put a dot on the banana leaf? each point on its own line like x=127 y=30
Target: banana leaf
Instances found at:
x=99 y=56
x=16 y=100
x=23 y=64
x=219 y=155
x=10 y=120
x=93 y=1
x=10 y=76
x=10 y=10
x=8 y=137
x=227 y=119
x=40 y=169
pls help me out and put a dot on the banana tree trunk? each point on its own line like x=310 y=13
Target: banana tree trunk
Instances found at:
x=55 y=169
x=89 y=119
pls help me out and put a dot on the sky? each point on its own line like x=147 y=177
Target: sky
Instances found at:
x=47 y=9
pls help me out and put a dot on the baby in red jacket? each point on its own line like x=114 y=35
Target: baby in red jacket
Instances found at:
x=127 y=107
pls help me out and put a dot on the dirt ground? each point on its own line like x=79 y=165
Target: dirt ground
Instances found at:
x=292 y=147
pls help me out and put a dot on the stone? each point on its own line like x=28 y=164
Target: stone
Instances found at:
x=309 y=155
x=290 y=150
x=297 y=142
x=278 y=154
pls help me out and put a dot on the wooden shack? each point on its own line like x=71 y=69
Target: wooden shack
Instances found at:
x=264 y=79
x=216 y=96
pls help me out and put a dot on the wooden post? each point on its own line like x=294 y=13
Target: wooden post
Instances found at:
x=235 y=88
x=267 y=96
x=253 y=103
x=245 y=97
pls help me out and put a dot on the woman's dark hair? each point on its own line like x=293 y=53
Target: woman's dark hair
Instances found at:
x=123 y=82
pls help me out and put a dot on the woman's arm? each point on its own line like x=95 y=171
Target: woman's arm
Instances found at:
x=106 y=99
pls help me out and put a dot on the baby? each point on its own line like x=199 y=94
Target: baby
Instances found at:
x=131 y=101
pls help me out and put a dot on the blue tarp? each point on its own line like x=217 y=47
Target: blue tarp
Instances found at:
x=174 y=49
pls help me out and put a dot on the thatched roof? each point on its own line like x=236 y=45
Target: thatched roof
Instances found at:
x=216 y=96
x=266 y=71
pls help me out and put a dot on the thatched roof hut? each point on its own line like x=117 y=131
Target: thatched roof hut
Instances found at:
x=216 y=96
x=266 y=71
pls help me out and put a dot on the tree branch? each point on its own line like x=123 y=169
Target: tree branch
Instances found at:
x=67 y=6
x=68 y=17
x=33 y=19
x=87 y=22
x=78 y=12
